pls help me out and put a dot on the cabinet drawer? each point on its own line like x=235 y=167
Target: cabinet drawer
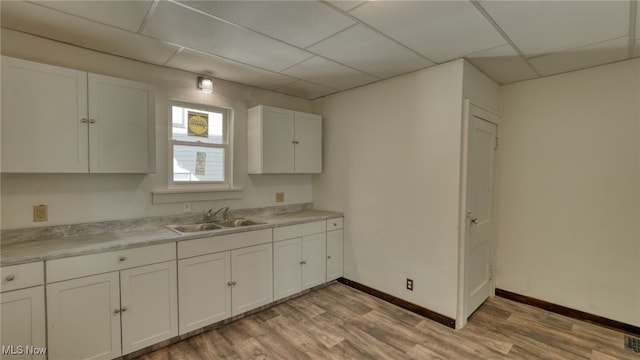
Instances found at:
x=78 y=266
x=294 y=231
x=335 y=224
x=213 y=244
x=22 y=276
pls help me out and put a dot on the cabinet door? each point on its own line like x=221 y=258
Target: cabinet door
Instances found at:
x=42 y=111
x=334 y=254
x=287 y=278
x=82 y=318
x=252 y=276
x=204 y=292
x=149 y=305
x=314 y=253
x=23 y=323
x=308 y=143
x=122 y=126
x=277 y=138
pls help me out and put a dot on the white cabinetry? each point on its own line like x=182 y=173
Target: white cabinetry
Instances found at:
x=223 y=276
x=22 y=311
x=284 y=141
x=335 y=240
x=299 y=258
x=59 y=120
x=101 y=306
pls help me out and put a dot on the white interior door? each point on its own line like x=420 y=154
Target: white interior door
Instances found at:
x=480 y=219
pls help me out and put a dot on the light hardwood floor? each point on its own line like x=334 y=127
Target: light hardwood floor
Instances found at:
x=338 y=322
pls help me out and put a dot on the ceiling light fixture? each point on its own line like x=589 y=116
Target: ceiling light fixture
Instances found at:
x=205 y=84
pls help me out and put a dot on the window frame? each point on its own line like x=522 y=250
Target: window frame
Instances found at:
x=226 y=145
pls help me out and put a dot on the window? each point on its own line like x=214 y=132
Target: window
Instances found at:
x=199 y=144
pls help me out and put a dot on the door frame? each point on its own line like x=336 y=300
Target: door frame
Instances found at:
x=471 y=108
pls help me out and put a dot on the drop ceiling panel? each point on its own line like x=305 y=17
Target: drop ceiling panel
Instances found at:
x=180 y=25
x=541 y=27
x=127 y=15
x=306 y=90
x=52 y=24
x=328 y=73
x=218 y=67
x=346 y=5
x=301 y=23
x=583 y=57
x=439 y=30
x=370 y=52
x=502 y=64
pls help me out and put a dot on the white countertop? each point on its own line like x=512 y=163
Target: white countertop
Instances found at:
x=54 y=248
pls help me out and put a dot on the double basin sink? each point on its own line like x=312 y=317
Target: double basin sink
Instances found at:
x=209 y=226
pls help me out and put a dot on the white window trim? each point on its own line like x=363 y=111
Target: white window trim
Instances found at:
x=200 y=190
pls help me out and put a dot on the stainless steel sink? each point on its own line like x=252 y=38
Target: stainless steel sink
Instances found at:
x=191 y=228
x=194 y=228
x=237 y=223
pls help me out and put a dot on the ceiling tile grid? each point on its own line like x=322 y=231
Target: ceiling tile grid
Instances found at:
x=312 y=48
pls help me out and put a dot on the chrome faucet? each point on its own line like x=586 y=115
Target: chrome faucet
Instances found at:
x=210 y=215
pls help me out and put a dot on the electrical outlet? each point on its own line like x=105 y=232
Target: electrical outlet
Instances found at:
x=409 y=284
x=279 y=197
x=40 y=213
x=186 y=207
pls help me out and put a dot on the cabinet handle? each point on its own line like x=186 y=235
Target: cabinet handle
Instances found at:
x=92 y=121
x=10 y=277
x=335 y=224
x=124 y=309
x=302 y=262
x=295 y=142
x=122 y=258
x=233 y=283
x=329 y=257
x=116 y=311
x=84 y=120
x=230 y=283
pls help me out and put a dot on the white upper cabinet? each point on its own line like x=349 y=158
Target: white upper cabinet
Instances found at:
x=283 y=141
x=59 y=120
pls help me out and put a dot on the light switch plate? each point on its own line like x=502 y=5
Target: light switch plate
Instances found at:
x=40 y=213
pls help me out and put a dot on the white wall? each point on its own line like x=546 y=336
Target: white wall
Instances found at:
x=92 y=197
x=391 y=164
x=569 y=196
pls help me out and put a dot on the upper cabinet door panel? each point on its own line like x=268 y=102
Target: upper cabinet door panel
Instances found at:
x=43 y=108
x=308 y=135
x=282 y=141
x=122 y=132
x=278 y=135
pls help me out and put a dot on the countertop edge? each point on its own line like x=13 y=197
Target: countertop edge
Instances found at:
x=50 y=249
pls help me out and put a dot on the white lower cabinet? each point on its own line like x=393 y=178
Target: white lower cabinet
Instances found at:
x=252 y=278
x=204 y=290
x=334 y=254
x=82 y=321
x=22 y=312
x=299 y=258
x=228 y=282
x=110 y=314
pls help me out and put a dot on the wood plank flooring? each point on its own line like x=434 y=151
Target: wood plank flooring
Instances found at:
x=338 y=322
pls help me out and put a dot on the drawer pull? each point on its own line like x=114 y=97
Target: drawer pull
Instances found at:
x=302 y=262
x=231 y=283
x=122 y=258
x=10 y=277
x=335 y=224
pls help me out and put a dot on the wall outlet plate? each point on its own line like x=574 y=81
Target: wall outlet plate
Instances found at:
x=40 y=213
x=279 y=197
x=409 y=284
x=186 y=207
